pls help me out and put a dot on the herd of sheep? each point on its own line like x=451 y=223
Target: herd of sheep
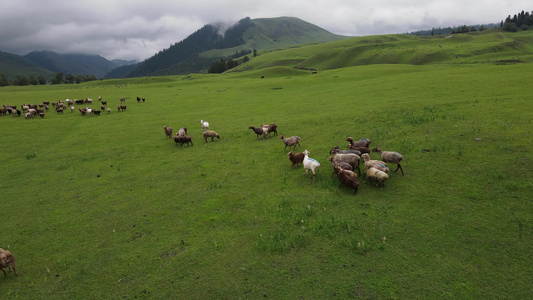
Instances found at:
x=344 y=162
x=33 y=110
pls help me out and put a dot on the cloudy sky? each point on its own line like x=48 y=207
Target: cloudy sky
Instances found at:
x=137 y=29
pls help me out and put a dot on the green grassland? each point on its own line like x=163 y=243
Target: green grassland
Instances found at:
x=106 y=207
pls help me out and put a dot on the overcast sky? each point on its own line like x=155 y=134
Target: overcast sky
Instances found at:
x=138 y=29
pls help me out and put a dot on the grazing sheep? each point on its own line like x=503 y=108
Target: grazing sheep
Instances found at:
x=71 y=109
x=168 y=131
x=122 y=100
x=108 y=110
x=122 y=108
x=205 y=124
x=360 y=149
x=310 y=164
x=97 y=112
x=7 y=260
x=210 y=134
x=41 y=114
x=336 y=149
x=183 y=139
x=364 y=142
x=271 y=128
x=296 y=159
x=337 y=165
x=259 y=131
x=182 y=131
x=88 y=111
x=377 y=176
x=377 y=164
x=390 y=157
x=351 y=158
x=28 y=115
x=349 y=179
x=291 y=142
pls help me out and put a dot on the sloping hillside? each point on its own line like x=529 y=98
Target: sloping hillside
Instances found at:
x=196 y=52
x=488 y=46
x=12 y=65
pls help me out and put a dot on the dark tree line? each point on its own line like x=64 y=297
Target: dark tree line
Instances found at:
x=520 y=21
x=22 y=80
x=455 y=29
x=223 y=65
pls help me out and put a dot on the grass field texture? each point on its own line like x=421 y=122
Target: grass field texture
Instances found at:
x=107 y=207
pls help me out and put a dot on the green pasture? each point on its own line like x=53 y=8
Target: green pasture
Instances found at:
x=105 y=207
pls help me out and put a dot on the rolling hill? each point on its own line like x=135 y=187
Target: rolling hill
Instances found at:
x=493 y=46
x=12 y=65
x=196 y=52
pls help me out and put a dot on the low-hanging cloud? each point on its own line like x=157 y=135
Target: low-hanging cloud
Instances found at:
x=120 y=29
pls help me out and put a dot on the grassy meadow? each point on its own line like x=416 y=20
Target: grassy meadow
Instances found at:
x=105 y=207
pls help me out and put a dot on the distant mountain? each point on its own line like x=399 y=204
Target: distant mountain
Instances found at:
x=122 y=62
x=74 y=63
x=122 y=71
x=12 y=65
x=210 y=43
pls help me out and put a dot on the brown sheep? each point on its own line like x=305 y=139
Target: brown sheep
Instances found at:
x=359 y=149
x=337 y=165
x=258 y=131
x=7 y=260
x=168 y=131
x=182 y=139
x=349 y=179
x=296 y=159
x=364 y=142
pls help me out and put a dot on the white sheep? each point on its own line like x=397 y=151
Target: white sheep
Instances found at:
x=310 y=164
x=377 y=176
x=205 y=124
